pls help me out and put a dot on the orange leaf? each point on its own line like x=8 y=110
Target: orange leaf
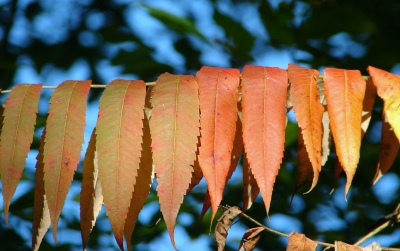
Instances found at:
x=299 y=242
x=368 y=103
x=264 y=121
x=250 y=187
x=218 y=93
x=389 y=149
x=142 y=186
x=341 y=246
x=197 y=175
x=344 y=93
x=250 y=238
x=20 y=110
x=41 y=214
x=305 y=172
x=63 y=143
x=91 y=194
x=388 y=86
x=119 y=142
x=308 y=109
x=174 y=129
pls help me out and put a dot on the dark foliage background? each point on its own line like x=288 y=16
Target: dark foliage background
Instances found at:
x=50 y=41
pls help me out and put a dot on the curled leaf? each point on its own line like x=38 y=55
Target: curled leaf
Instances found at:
x=299 y=242
x=41 y=215
x=91 y=193
x=388 y=149
x=308 y=109
x=250 y=239
x=224 y=223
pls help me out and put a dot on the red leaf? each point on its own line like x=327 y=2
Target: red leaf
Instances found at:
x=264 y=121
x=91 y=194
x=119 y=139
x=174 y=129
x=218 y=93
x=308 y=109
x=16 y=137
x=63 y=143
x=41 y=214
x=344 y=93
x=143 y=183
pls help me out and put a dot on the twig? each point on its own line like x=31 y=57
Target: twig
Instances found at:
x=319 y=242
x=280 y=233
x=393 y=217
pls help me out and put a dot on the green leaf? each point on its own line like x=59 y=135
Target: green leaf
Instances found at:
x=179 y=24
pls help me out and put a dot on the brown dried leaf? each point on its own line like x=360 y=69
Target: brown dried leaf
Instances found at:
x=299 y=242
x=341 y=246
x=250 y=239
x=221 y=230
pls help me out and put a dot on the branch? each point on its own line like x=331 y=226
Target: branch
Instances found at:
x=147 y=84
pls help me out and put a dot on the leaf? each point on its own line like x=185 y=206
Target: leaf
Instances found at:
x=374 y=246
x=181 y=25
x=218 y=94
x=250 y=187
x=63 y=143
x=326 y=138
x=174 y=127
x=224 y=223
x=119 y=139
x=305 y=171
x=308 y=109
x=41 y=215
x=236 y=153
x=299 y=242
x=341 y=246
x=250 y=239
x=143 y=184
x=91 y=198
x=197 y=175
x=388 y=87
x=389 y=149
x=19 y=114
x=368 y=102
x=344 y=93
x=264 y=120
